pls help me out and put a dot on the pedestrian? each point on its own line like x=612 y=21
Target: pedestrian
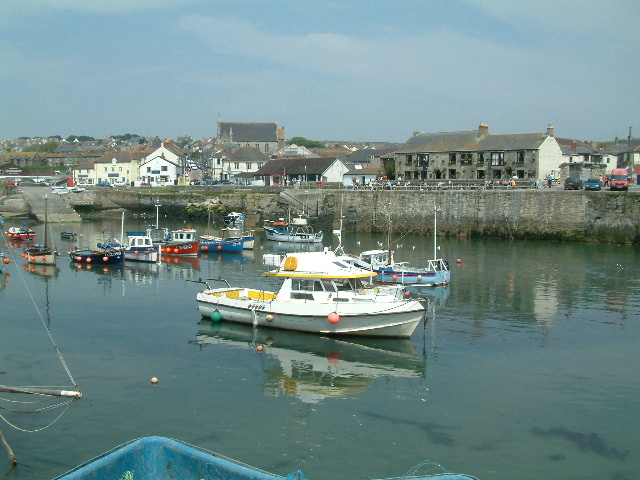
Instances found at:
x=549 y=180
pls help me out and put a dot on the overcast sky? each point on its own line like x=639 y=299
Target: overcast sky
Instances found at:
x=325 y=70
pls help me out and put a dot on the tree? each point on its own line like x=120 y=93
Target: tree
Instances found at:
x=303 y=142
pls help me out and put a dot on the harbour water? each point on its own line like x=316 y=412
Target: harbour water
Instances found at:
x=527 y=366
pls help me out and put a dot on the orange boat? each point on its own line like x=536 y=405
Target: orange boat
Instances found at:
x=17 y=233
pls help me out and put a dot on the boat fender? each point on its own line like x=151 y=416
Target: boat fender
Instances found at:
x=291 y=263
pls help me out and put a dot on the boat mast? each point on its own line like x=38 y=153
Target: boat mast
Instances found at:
x=46 y=221
x=389 y=241
x=435 y=226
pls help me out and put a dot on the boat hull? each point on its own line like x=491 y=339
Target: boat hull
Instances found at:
x=163 y=458
x=277 y=235
x=40 y=257
x=414 y=277
x=109 y=257
x=181 y=249
x=231 y=245
x=150 y=255
x=258 y=308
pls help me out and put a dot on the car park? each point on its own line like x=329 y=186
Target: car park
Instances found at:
x=573 y=183
x=592 y=184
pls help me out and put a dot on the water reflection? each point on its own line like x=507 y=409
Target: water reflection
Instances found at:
x=314 y=368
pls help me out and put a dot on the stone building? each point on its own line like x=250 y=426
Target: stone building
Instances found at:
x=477 y=155
x=266 y=137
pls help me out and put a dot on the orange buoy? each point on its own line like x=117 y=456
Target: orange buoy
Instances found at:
x=459 y=260
x=269 y=318
x=175 y=250
x=154 y=380
x=105 y=259
x=260 y=348
x=333 y=318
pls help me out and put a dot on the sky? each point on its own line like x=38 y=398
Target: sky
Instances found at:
x=343 y=70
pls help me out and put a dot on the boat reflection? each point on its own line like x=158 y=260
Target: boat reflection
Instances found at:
x=238 y=257
x=288 y=247
x=115 y=270
x=49 y=271
x=314 y=368
x=433 y=295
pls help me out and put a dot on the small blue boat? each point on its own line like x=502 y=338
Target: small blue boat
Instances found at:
x=161 y=458
x=209 y=243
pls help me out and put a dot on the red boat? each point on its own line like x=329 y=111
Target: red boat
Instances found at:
x=182 y=242
x=17 y=233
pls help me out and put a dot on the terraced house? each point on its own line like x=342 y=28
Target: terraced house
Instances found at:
x=477 y=155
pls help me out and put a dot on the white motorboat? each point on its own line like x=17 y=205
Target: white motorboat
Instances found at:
x=319 y=293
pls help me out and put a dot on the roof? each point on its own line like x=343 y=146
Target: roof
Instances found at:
x=247 y=154
x=126 y=156
x=296 y=166
x=247 y=132
x=471 y=141
x=565 y=145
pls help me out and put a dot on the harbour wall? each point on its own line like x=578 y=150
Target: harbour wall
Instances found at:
x=607 y=217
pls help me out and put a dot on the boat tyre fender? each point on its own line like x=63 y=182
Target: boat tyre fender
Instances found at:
x=291 y=263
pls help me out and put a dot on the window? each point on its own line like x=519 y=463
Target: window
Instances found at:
x=481 y=158
x=452 y=173
x=497 y=158
x=452 y=158
x=236 y=165
x=260 y=164
x=409 y=160
x=466 y=158
x=423 y=160
x=520 y=157
x=480 y=174
x=248 y=165
x=164 y=168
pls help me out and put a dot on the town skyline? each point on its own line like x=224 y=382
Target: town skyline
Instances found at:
x=337 y=70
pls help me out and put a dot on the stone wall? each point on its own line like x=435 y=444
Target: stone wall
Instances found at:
x=611 y=217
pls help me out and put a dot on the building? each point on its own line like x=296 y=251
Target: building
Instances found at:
x=114 y=168
x=298 y=170
x=161 y=166
x=266 y=137
x=477 y=155
x=241 y=164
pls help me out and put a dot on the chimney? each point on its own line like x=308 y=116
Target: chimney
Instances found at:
x=574 y=147
x=550 y=129
x=483 y=130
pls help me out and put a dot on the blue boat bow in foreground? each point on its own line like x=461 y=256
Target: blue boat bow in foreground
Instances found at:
x=163 y=458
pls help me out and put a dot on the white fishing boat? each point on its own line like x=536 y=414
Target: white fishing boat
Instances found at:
x=319 y=293
x=140 y=248
x=434 y=274
x=296 y=231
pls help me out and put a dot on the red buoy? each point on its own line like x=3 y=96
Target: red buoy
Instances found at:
x=333 y=318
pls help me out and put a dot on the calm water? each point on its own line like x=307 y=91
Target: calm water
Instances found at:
x=527 y=368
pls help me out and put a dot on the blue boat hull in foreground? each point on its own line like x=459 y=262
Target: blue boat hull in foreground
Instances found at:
x=162 y=458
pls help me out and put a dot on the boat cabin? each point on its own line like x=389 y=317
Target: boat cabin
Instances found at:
x=185 y=235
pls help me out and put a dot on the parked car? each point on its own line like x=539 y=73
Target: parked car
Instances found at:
x=592 y=184
x=573 y=183
x=103 y=184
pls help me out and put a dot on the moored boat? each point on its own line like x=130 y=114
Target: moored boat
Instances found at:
x=247 y=238
x=68 y=235
x=210 y=243
x=105 y=254
x=42 y=254
x=163 y=458
x=436 y=273
x=296 y=231
x=140 y=248
x=234 y=218
x=181 y=242
x=20 y=233
x=320 y=293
